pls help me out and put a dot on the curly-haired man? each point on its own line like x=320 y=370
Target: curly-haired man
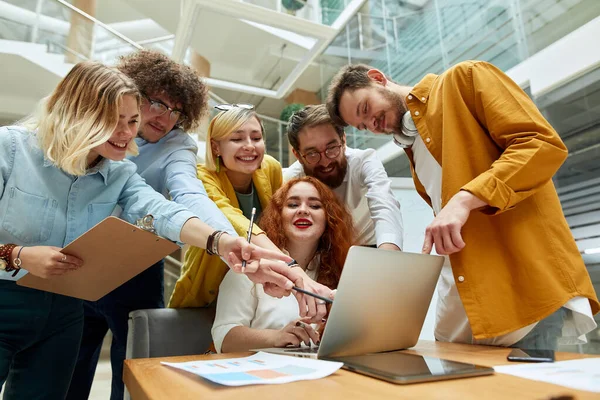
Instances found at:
x=174 y=100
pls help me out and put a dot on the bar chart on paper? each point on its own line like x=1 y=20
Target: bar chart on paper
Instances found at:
x=259 y=369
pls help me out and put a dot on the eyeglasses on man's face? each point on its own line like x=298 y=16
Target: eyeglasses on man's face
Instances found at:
x=227 y=107
x=157 y=107
x=331 y=152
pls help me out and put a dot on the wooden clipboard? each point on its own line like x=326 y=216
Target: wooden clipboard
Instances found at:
x=113 y=252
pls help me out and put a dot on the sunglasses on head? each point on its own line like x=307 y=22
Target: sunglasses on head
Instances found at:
x=227 y=107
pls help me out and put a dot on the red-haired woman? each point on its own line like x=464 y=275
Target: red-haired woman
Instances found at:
x=305 y=218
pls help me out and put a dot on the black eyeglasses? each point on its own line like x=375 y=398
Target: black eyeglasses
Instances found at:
x=157 y=107
x=227 y=107
x=313 y=157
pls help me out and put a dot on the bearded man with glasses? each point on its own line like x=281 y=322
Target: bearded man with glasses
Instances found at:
x=174 y=99
x=357 y=177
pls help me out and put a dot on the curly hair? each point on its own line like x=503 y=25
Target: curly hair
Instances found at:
x=335 y=242
x=155 y=73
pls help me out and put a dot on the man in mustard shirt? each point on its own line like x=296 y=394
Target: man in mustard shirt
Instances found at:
x=482 y=156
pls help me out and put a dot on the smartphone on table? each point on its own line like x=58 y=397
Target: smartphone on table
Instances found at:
x=529 y=355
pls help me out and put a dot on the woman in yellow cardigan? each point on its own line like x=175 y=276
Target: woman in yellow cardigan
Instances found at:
x=237 y=176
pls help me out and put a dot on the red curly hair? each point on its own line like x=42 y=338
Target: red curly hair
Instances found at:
x=336 y=240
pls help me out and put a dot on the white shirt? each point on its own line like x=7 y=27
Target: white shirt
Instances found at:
x=367 y=192
x=452 y=324
x=244 y=303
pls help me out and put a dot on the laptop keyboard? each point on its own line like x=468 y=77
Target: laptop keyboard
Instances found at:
x=309 y=350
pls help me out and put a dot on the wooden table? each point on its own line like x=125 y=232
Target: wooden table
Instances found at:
x=147 y=379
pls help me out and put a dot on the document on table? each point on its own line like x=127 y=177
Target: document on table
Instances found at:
x=259 y=369
x=581 y=374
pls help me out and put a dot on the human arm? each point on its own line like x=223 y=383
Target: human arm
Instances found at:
x=237 y=308
x=532 y=151
x=296 y=332
x=216 y=189
x=176 y=223
x=185 y=188
x=383 y=205
x=8 y=149
x=42 y=261
x=389 y=246
x=445 y=229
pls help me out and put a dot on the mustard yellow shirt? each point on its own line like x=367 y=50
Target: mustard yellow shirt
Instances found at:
x=520 y=262
x=202 y=273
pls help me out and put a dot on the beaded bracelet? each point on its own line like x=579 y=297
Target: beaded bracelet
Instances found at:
x=5 y=253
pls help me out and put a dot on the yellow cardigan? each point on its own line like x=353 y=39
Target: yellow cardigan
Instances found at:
x=202 y=273
x=520 y=262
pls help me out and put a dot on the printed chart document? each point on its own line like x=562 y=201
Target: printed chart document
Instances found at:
x=259 y=369
x=581 y=374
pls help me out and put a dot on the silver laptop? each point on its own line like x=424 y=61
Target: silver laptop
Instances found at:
x=381 y=303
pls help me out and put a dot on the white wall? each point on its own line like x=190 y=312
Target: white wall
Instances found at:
x=561 y=62
x=416 y=215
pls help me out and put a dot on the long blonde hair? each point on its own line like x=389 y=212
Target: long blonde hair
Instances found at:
x=223 y=125
x=80 y=114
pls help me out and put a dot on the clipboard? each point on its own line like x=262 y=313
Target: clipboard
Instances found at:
x=113 y=252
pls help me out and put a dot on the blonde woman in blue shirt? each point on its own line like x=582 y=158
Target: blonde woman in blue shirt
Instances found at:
x=60 y=174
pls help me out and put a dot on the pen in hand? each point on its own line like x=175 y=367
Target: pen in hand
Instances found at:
x=317 y=296
x=249 y=234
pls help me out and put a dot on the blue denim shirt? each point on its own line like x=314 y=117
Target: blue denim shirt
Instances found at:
x=41 y=205
x=169 y=166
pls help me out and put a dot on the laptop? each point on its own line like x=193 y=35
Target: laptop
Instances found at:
x=380 y=306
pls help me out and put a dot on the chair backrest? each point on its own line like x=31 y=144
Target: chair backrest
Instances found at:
x=169 y=332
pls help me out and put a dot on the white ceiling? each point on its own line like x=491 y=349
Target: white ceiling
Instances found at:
x=23 y=86
x=240 y=52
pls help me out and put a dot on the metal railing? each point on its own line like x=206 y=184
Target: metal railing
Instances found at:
x=56 y=43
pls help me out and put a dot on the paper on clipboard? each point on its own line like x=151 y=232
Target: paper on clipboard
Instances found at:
x=113 y=252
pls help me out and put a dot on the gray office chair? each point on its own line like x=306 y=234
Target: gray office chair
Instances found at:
x=165 y=332
x=169 y=332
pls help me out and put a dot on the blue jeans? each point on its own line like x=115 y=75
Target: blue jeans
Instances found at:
x=39 y=340
x=545 y=334
x=112 y=312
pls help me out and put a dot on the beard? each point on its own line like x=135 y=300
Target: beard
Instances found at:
x=396 y=103
x=334 y=179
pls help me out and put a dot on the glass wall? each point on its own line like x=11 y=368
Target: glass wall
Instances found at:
x=63 y=31
x=407 y=42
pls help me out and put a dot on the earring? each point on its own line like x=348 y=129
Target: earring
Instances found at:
x=218 y=164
